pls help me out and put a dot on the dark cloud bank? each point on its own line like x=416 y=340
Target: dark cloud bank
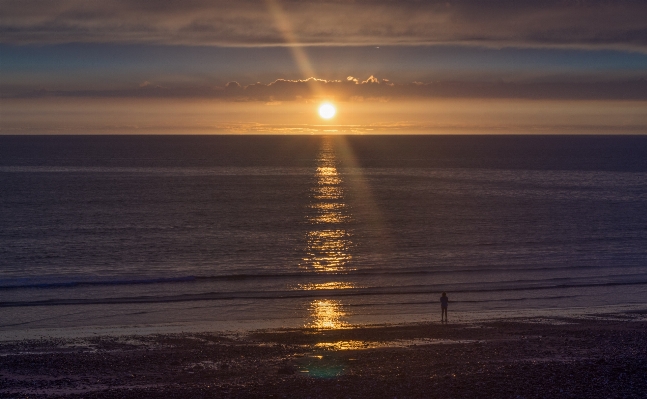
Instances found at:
x=578 y=23
x=352 y=89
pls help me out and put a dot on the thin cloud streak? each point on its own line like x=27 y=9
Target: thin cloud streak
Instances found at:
x=498 y=23
x=356 y=90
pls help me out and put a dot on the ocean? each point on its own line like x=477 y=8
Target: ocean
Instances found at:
x=178 y=233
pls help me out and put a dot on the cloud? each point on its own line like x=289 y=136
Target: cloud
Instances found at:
x=371 y=89
x=553 y=23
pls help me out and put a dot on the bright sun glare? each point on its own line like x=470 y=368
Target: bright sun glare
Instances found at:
x=327 y=110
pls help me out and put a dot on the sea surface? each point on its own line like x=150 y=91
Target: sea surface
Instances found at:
x=243 y=232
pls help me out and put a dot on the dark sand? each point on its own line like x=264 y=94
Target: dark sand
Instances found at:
x=502 y=359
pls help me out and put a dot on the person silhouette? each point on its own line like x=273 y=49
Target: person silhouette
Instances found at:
x=444 y=300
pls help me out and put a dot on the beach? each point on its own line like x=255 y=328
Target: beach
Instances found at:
x=594 y=357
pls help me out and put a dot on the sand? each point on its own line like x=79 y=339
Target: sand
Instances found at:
x=529 y=358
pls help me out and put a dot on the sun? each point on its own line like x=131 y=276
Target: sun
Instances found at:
x=327 y=110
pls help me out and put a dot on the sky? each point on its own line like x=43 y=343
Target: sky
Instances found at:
x=249 y=66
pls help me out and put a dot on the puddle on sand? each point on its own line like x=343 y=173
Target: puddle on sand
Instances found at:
x=400 y=343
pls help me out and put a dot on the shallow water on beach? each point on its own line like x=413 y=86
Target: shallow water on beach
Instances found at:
x=323 y=232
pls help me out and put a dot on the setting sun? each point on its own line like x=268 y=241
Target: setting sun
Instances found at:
x=327 y=110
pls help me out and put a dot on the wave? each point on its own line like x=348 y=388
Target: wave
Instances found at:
x=167 y=171
x=296 y=294
x=26 y=283
x=80 y=283
x=435 y=302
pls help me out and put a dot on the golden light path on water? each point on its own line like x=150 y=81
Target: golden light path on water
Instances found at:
x=328 y=243
x=327 y=250
x=333 y=285
x=327 y=314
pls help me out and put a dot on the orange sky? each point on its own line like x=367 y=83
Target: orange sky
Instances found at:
x=437 y=116
x=262 y=66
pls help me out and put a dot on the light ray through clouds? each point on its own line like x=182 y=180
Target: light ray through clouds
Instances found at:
x=284 y=26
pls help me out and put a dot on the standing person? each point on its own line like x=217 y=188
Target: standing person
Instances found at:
x=444 y=300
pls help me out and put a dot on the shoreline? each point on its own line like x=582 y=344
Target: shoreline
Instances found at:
x=634 y=311
x=529 y=358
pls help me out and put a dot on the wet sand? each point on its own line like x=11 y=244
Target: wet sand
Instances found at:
x=530 y=358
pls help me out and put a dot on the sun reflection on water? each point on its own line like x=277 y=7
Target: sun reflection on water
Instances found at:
x=327 y=250
x=333 y=285
x=328 y=206
x=328 y=243
x=347 y=345
x=329 y=217
x=326 y=314
x=329 y=170
x=327 y=193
